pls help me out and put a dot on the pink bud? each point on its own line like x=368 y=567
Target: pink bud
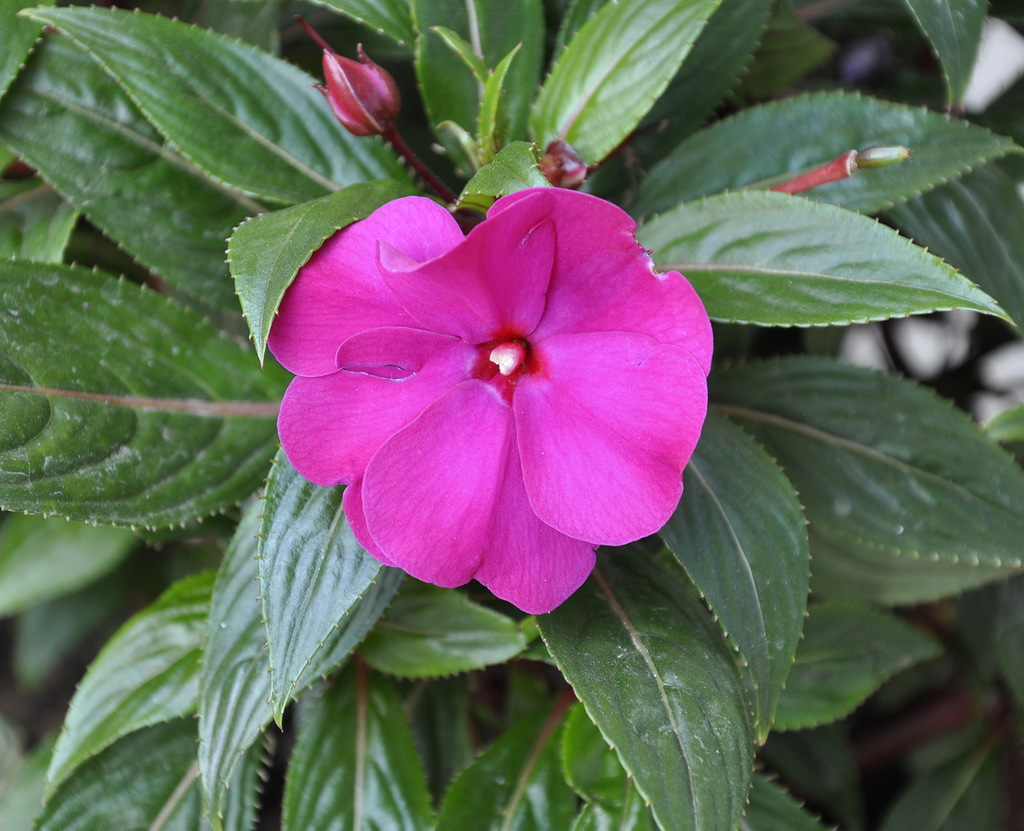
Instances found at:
x=562 y=165
x=362 y=94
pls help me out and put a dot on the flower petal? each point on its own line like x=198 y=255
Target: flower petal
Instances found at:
x=529 y=563
x=352 y=502
x=605 y=281
x=339 y=292
x=429 y=492
x=330 y=426
x=604 y=431
x=492 y=284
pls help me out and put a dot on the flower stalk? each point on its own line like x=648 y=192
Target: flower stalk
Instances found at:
x=844 y=167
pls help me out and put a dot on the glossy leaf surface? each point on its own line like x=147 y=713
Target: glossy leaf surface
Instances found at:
x=848 y=650
x=44 y=558
x=316 y=582
x=655 y=675
x=514 y=168
x=267 y=251
x=355 y=753
x=910 y=499
x=146 y=674
x=430 y=631
x=749 y=560
x=613 y=70
x=136 y=413
x=68 y=118
x=35 y=222
x=17 y=36
x=392 y=17
x=810 y=130
x=778 y=260
x=285 y=143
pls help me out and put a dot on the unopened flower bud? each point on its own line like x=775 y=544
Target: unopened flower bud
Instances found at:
x=362 y=94
x=562 y=165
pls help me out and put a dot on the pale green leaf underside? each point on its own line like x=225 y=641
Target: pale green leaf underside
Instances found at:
x=776 y=260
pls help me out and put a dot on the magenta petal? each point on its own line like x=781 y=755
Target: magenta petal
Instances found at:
x=429 y=492
x=330 y=426
x=352 y=502
x=493 y=284
x=339 y=292
x=604 y=431
x=529 y=563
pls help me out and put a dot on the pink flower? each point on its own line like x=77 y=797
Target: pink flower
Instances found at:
x=498 y=404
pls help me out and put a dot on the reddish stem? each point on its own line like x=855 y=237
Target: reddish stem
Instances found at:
x=392 y=135
x=835 y=171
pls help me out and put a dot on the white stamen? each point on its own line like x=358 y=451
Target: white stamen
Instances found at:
x=508 y=356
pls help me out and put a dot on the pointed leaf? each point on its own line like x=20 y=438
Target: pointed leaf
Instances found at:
x=17 y=36
x=848 y=651
x=954 y=29
x=430 y=631
x=35 y=223
x=775 y=260
x=772 y=809
x=655 y=675
x=392 y=17
x=975 y=223
x=515 y=783
x=285 y=143
x=267 y=251
x=1008 y=426
x=590 y=765
x=748 y=558
x=146 y=674
x=68 y=118
x=119 y=406
x=41 y=559
x=806 y=132
x=514 y=168
x=314 y=577
x=234 y=689
x=355 y=753
x=143 y=776
x=789 y=49
x=902 y=488
x=613 y=71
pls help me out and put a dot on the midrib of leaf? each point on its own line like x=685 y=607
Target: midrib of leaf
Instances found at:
x=14 y=201
x=192 y=406
x=475 y=40
x=720 y=509
x=161 y=150
x=648 y=659
x=853 y=446
x=175 y=798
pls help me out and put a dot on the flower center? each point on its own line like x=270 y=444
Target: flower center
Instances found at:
x=508 y=356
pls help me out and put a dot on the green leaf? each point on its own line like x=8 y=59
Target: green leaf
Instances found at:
x=355 y=753
x=513 y=169
x=655 y=675
x=144 y=776
x=965 y=793
x=722 y=50
x=146 y=674
x=451 y=92
x=748 y=558
x=848 y=651
x=974 y=223
x=440 y=711
x=772 y=809
x=119 y=406
x=491 y=127
x=35 y=223
x=911 y=499
x=207 y=92
x=775 y=260
x=431 y=631
x=17 y=36
x=392 y=17
x=1009 y=634
x=953 y=27
x=41 y=559
x=316 y=581
x=67 y=118
x=267 y=251
x=632 y=815
x=515 y=783
x=589 y=764
x=613 y=70
x=464 y=50
x=1008 y=426
x=234 y=689
x=807 y=131
x=21 y=797
x=789 y=49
